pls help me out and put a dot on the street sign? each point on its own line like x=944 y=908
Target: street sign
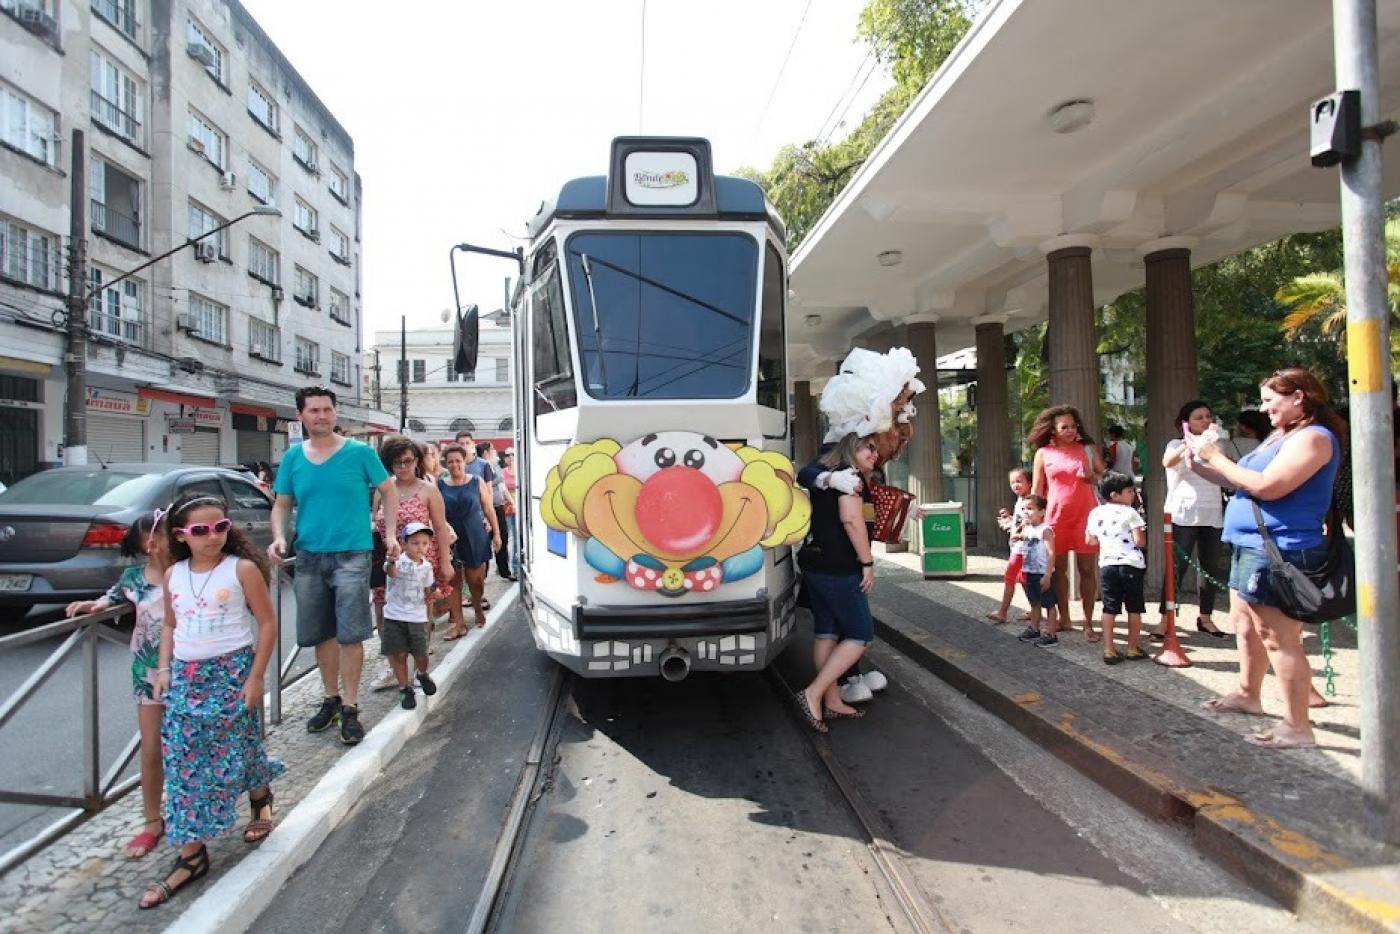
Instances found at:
x=180 y=426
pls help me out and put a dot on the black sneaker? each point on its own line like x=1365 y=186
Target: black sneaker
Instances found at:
x=1029 y=634
x=1048 y=639
x=326 y=714
x=428 y=685
x=406 y=699
x=350 y=730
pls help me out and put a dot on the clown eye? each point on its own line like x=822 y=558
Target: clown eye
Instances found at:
x=665 y=458
x=694 y=458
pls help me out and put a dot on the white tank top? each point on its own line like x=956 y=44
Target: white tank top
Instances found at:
x=211 y=613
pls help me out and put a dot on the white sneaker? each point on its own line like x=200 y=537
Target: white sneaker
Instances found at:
x=384 y=680
x=854 y=691
x=875 y=681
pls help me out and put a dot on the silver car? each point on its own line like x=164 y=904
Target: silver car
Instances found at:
x=60 y=529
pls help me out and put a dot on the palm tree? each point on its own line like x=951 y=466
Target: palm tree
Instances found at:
x=1321 y=297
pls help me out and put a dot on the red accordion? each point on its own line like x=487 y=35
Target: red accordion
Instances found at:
x=891 y=509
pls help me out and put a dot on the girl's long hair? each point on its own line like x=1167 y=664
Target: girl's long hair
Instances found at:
x=236 y=543
x=1043 y=428
x=843 y=453
x=1317 y=410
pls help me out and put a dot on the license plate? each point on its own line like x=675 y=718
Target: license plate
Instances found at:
x=15 y=581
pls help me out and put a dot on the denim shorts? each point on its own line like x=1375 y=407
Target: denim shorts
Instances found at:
x=839 y=609
x=1249 y=570
x=1045 y=597
x=332 y=591
x=1121 y=586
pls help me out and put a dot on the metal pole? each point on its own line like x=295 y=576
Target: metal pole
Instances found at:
x=92 y=758
x=403 y=373
x=378 y=381
x=276 y=701
x=75 y=351
x=1372 y=439
x=1172 y=654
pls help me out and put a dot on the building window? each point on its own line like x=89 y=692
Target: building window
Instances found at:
x=305 y=288
x=420 y=371
x=118 y=13
x=263 y=262
x=308 y=357
x=207 y=140
x=340 y=368
x=262 y=107
x=210 y=319
x=304 y=218
x=115 y=98
x=116 y=206
x=203 y=220
x=30 y=256
x=451 y=372
x=340 y=245
x=28 y=126
x=202 y=48
x=262 y=184
x=340 y=306
x=264 y=340
x=502 y=370
x=115 y=311
x=339 y=184
x=304 y=150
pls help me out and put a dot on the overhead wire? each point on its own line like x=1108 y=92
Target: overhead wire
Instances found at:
x=778 y=79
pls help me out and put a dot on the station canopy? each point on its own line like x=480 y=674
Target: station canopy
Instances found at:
x=1187 y=126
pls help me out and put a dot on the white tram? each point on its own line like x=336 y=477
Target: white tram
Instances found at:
x=658 y=513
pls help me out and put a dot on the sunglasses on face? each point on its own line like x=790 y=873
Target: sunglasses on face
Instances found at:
x=406 y=462
x=201 y=529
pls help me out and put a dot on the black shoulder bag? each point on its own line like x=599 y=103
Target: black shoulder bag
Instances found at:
x=1319 y=596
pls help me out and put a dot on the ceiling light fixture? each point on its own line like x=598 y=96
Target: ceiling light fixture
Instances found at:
x=813 y=321
x=1071 y=115
x=890 y=257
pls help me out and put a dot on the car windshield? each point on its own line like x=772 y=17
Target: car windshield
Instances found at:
x=94 y=487
x=672 y=312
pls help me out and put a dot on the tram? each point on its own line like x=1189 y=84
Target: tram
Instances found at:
x=657 y=507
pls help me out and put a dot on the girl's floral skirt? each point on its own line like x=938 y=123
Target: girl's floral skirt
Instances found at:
x=212 y=747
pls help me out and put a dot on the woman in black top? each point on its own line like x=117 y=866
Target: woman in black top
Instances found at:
x=837 y=572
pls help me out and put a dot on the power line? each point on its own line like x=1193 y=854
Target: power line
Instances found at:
x=840 y=121
x=642 y=72
x=782 y=68
x=821 y=130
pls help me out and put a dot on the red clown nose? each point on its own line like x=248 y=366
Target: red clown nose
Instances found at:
x=679 y=509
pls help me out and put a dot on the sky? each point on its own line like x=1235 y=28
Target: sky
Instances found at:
x=466 y=115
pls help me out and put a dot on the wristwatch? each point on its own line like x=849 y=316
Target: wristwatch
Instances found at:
x=867 y=564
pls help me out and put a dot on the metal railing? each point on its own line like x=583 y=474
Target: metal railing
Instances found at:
x=110 y=114
x=101 y=789
x=120 y=227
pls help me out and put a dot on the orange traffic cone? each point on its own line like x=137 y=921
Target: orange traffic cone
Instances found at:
x=1172 y=654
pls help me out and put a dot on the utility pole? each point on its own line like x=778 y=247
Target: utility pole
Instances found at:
x=378 y=380
x=1372 y=439
x=403 y=373
x=75 y=351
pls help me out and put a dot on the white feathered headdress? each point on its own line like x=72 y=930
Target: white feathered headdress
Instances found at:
x=858 y=398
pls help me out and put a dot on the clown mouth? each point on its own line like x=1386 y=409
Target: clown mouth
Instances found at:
x=744 y=504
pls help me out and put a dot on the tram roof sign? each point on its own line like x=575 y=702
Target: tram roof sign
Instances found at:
x=1126 y=127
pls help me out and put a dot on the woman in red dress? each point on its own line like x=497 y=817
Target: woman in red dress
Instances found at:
x=1066 y=472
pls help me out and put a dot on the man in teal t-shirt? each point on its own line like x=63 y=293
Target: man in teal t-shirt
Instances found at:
x=330 y=480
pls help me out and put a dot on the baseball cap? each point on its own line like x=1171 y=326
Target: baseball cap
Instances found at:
x=414 y=527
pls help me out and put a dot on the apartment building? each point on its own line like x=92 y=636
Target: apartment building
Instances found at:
x=192 y=118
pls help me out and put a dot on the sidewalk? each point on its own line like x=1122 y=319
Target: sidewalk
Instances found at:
x=82 y=883
x=1287 y=821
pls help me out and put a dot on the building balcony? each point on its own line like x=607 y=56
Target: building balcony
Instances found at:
x=110 y=115
x=112 y=223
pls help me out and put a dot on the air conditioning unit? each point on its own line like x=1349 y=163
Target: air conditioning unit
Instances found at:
x=196 y=144
x=228 y=181
x=314 y=234
x=311 y=167
x=206 y=252
x=277 y=293
x=186 y=322
x=36 y=19
x=201 y=53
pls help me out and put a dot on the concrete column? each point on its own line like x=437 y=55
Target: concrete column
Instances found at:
x=804 y=442
x=1074 y=362
x=993 y=429
x=1171 y=370
x=926 y=447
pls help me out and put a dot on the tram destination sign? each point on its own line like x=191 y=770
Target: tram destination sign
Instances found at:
x=661 y=178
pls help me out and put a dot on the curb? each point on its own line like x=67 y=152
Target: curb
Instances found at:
x=234 y=903
x=1300 y=873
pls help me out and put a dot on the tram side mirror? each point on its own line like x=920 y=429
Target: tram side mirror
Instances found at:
x=464 y=340
x=1336 y=128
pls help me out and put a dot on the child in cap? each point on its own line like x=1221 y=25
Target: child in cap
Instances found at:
x=1120 y=533
x=407 y=590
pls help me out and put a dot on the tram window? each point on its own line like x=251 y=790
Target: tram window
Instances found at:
x=772 y=336
x=553 y=369
x=674 y=313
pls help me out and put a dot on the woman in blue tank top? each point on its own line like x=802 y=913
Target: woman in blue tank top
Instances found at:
x=1290 y=476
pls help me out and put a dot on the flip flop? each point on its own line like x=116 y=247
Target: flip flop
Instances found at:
x=144 y=842
x=829 y=714
x=1271 y=740
x=995 y=618
x=1219 y=705
x=453 y=636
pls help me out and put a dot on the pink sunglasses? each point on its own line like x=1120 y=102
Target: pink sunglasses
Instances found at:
x=201 y=529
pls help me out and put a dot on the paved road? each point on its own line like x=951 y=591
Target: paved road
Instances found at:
x=697 y=807
x=41 y=749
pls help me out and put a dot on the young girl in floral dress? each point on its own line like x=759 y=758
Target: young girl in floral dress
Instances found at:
x=217 y=640
x=142 y=586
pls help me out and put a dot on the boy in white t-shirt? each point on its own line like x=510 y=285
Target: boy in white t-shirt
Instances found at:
x=407 y=589
x=1120 y=532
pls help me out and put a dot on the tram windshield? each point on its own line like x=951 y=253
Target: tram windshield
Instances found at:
x=664 y=315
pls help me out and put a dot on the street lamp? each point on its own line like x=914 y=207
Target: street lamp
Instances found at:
x=75 y=358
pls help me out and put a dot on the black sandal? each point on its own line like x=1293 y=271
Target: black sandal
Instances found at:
x=197 y=866
x=259 y=827
x=815 y=723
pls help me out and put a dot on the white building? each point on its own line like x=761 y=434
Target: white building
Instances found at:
x=191 y=117
x=441 y=401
